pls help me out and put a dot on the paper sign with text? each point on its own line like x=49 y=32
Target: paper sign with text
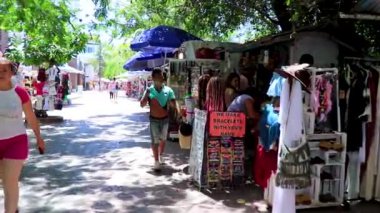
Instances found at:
x=231 y=124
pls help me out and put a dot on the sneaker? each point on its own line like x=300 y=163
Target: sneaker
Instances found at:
x=157 y=166
x=162 y=161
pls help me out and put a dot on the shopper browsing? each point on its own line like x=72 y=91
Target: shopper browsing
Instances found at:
x=13 y=139
x=160 y=98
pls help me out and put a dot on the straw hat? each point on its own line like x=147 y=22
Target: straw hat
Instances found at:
x=297 y=72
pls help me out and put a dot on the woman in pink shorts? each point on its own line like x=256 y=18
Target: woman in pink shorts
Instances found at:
x=14 y=101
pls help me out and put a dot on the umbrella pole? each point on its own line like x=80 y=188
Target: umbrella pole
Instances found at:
x=165 y=58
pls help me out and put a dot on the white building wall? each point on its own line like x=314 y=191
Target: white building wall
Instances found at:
x=320 y=45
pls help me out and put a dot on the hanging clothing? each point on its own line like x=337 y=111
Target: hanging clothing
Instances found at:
x=353 y=175
x=38 y=86
x=275 y=86
x=356 y=107
x=266 y=159
x=269 y=127
x=373 y=83
x=370 y=178
x=322 y=97
x=265 y=165
x=291 y=116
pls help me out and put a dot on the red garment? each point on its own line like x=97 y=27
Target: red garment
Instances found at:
x=39 y=87
x=265 y=165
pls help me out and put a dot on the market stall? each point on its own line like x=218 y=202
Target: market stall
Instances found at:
x=321 y=183
x=135 y=82
x=47 y=88
x=219 y=142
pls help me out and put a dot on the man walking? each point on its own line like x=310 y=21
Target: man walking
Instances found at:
x=160 y=98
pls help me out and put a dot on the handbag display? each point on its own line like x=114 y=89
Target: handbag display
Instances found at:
x=294 y=171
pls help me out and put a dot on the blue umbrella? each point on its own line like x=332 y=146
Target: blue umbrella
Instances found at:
x=140 y=61
x=154 y=55
x=163 y=37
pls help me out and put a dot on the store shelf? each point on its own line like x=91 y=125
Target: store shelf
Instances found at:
x=318 y=205
x=329 y=164
x=323 y=136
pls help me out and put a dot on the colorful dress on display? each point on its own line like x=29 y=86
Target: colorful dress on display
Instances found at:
x=266 y=158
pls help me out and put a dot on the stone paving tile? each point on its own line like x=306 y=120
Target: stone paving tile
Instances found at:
x=99 y=160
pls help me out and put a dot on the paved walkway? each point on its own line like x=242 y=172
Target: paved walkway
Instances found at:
x=99 y=160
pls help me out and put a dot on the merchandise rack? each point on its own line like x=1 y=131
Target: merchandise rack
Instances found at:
x=334 y=161
x=334 y=186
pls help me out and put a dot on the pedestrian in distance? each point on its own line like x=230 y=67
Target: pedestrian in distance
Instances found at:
x=117 y=88
x=112 y=89
x=13 y=138
x=159 y=97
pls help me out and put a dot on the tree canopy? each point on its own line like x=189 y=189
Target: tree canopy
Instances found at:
x=114 y=59
x=46 y=34
x=219 y=19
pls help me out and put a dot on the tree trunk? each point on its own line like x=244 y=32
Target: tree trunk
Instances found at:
x=283 y=14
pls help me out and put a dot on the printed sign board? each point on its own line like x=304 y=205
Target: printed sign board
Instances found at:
x=227 y=124
x=197 y=146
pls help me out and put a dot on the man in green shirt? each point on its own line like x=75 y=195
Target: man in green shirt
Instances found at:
x=160 y=98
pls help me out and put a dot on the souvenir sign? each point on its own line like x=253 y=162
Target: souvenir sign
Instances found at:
x=213 y=161
x=227 y=124
x=238 y=161
x=226 y=155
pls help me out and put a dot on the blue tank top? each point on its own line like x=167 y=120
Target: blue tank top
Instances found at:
x=238 y=104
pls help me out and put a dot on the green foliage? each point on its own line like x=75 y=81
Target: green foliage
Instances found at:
x=219 y=19
x=210 y=20
x=115 y=56
x=47 y=33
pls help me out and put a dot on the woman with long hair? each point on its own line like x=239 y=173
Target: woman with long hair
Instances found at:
x=214 y=95
x=232 y=88
x=202 y=91
x=13 y=138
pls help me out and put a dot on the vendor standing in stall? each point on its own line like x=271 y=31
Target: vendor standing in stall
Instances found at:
x=160 y=98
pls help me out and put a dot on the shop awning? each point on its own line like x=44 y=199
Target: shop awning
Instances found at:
x=68 y=69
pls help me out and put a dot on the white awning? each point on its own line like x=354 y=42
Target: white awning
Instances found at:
x=68 y=69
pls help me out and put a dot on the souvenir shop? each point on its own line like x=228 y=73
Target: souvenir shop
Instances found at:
x=312 y=136
x=196 y=59
x=49 y=89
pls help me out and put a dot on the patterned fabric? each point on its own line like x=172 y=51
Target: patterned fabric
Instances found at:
x=294 y=168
